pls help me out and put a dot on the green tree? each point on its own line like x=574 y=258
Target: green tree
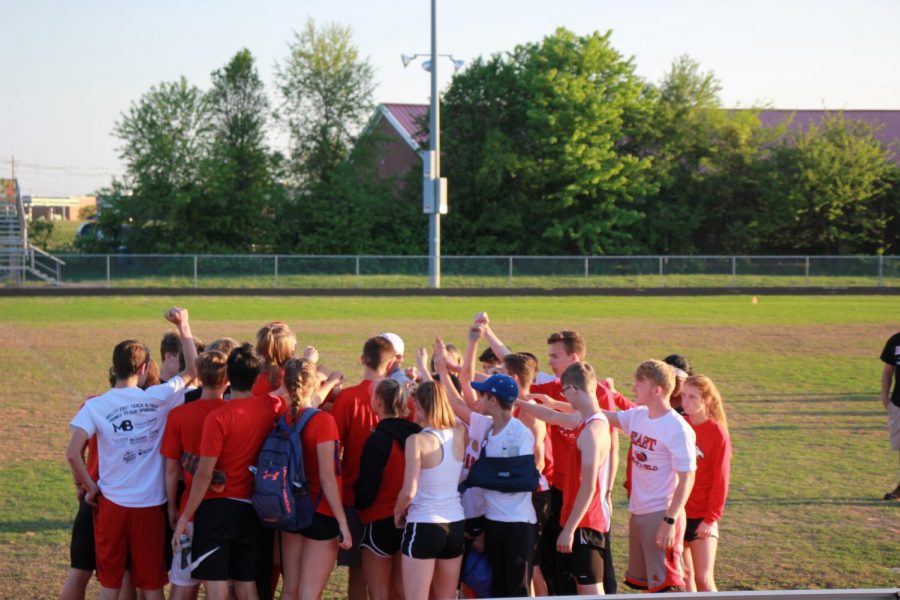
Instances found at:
x=536 y=144
x=165 y=136
x=235 y=210
x=326 y=95
x=40 y=231
x=833 y=177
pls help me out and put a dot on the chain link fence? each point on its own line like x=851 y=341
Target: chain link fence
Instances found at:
x=348 y=271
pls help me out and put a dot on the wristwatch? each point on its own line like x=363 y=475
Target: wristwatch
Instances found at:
x=669 y=520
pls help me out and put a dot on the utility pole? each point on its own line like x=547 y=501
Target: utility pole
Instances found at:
x=434 y=219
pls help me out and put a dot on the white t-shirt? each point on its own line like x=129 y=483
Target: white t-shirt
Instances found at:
x=514 y=507
x=473 y=498
x=129 y=423
x=659 y=448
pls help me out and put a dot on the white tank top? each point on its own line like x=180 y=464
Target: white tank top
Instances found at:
x=437 y=498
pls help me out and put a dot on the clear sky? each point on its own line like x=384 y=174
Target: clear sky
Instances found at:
x=70 y=68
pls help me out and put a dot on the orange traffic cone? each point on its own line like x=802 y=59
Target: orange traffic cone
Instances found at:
x=754 y=300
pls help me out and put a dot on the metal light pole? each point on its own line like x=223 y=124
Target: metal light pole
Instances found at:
x=434 y=219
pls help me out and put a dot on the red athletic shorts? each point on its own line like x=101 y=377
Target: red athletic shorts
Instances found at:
x=139 y=533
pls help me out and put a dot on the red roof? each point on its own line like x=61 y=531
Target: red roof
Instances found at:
x=410 y=117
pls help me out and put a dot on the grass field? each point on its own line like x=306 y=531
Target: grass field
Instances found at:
x=800 y=378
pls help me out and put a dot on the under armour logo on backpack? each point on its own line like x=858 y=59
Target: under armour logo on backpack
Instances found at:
x=273 y=475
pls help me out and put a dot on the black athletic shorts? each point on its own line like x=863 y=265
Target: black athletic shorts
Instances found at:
x=690 y=530
x=587 y=555
x=233 y=527
x=475 y=526
x=81 y=550
x=322 y=528
x=434 y=540
x=382 y=537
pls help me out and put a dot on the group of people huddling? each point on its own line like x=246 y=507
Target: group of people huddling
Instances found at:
x=467 y=474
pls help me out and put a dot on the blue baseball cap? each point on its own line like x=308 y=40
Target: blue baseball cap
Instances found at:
x=502 y=387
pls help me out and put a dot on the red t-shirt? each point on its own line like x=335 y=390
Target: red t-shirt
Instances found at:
x=598 y=514
x=707 y=499
x=234 y=433
x=319 y=429
x=562 y=438
x=355 y=421
x=262 y=386
x=184 y=427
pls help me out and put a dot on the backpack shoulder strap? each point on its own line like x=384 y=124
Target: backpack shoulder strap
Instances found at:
x=297 y=445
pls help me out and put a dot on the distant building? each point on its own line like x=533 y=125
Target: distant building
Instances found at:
x=403 y=131
x=400 y=139
x=56 y=208
x=885 y=122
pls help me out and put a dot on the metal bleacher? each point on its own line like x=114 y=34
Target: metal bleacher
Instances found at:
x=20 y=260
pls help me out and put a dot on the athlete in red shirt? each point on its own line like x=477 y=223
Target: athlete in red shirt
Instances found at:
x=586 y=511
x=181 y=448
x=702 y=404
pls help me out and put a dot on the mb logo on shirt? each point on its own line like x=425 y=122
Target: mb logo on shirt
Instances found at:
x=125 y=425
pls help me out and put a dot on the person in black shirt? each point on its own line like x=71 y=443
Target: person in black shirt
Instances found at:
x=890 y=356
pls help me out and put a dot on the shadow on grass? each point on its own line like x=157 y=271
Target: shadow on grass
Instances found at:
x=35 y=525
x=821 y=501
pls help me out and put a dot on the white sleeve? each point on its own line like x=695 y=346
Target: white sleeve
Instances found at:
x=682 y=444
x=625 y=417
x=170 y=392
x=479 y=425
x=84 y=420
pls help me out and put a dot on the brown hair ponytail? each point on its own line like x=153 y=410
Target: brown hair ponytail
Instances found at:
x=301 y=383
x=394 y=398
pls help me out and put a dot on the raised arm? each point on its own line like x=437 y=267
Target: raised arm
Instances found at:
x=548 y=415
x=457 y=402
x=467 y=371
x=179 y=318
x=497 y=346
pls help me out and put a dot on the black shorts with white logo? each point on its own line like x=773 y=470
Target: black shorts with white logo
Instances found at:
x=434 y=540
x=382 y=537
x=232 y=529
x=587 y=555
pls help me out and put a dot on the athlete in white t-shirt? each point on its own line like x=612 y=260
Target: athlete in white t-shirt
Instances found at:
x=664 y=460
x=129 y=423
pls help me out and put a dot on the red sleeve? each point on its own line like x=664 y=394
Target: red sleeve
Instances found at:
x=323 y=428
x=342 y=413
x=171 y=442
x=721 y=473
x=622 y=402
x=605 y=400
x=213 y=436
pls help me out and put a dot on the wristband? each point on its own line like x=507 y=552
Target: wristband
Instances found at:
x=669 y=520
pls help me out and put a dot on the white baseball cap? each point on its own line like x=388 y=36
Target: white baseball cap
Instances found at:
x=395 y=341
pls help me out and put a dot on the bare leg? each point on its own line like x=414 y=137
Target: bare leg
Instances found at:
x=356 y=583
x=417 y=574
x=538 y=584
x=703 y=551
x=291 y=552
x=397 y=576
x=156 y=594
x=180 y=592
x=446 y=578
x=76 y=583
x=316 y=564
x=688 y=558
x=377 y=571
x=216 y=590
x=245 y=590
x=589 y=589
x=109 y=593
